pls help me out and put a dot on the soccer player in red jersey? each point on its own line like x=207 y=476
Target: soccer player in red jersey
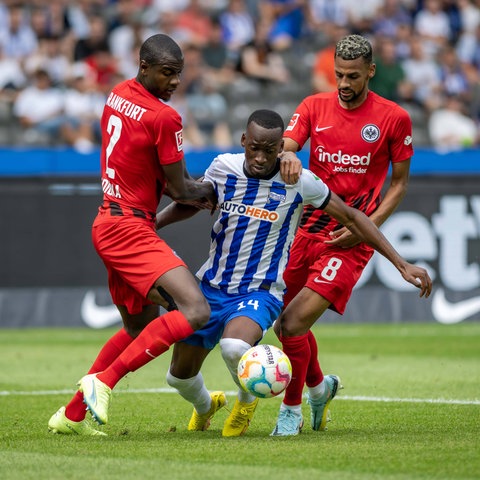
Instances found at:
x=355 y=136
x=141 y=159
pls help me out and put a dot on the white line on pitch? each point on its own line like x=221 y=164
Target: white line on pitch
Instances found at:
x=356 y=398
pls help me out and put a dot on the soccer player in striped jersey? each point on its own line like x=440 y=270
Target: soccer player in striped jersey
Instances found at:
x=355 y=136
x=242 y=278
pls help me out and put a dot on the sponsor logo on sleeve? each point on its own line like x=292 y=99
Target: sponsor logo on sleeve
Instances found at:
x=179 y=139
x=293 y=122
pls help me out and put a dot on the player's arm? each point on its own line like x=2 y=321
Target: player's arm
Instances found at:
x=361 y=226
x=174 y=212
x=177 y=211
x=183 y=188
x=290 y=167
x=393 y=196
x=290 y=145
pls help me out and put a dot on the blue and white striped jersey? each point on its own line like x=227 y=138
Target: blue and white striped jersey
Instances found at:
x=251 y=238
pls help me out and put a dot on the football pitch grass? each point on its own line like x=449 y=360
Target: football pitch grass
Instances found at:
x=410 y=410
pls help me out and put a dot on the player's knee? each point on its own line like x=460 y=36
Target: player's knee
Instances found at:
x=232 y=350
x=284 y=327
x=197 y=313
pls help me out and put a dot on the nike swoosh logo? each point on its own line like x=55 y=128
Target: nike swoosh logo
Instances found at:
x=149 y=353
x=320 y=129
x=448 y=312
x=316 y=280
x=96 y=316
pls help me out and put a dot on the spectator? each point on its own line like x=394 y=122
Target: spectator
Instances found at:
x=130 y=31
x=450 y=128
x=468 y=48
x=17 y=39
x=422 y=77
x=97 y=39
x=260 y=62
x=206 y=104
x=454 y=76
x=403 y=39
x=167 y=24
x=432 y=25
x=389 y=16
x=362 y=14
x=325 y=17
x=104 y=67
x=163 y=6
x=469 y=16
x=238 y=26
x=195 y=20
x=192 y=136
x=389 y=79
x=219 y=65
x=39 y=109
x=323 y=75
x=12 y=78
x=49 y=56
x=83 y=106
x=285 y=19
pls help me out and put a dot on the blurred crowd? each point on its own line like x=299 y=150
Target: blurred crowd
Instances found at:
x=60 y=58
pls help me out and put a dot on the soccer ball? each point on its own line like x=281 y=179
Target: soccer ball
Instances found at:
x=264 y=371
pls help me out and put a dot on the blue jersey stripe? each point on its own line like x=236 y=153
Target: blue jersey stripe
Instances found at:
x=272 y=272
x=223 y=221
x=240 y=230
x=257 y=254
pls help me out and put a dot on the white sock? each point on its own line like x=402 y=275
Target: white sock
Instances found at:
x=232 y=350
x=317 y=391
x=293 y=408
x=193 y=390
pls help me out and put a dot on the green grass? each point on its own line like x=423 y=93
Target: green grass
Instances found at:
x=373 y=434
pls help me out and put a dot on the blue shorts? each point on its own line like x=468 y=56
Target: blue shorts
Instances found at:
x=262 y=307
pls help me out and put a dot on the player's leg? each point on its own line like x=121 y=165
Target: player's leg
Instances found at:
x=240 y=334
x=184 y=375
x=294 y=324
x=259 y=310
x=70 y=419
x=153 y=340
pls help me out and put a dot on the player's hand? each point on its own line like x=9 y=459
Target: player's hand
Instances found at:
x=290 y=167
x=343 y=238
x=419 y=277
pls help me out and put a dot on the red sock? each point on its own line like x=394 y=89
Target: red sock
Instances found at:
x=154 y=340
x=76 y=410
x=314 y=371
x=298 y=351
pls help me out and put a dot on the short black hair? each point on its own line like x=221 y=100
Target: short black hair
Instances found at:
x=266 y=119
x=352 y=47
x=160 y=47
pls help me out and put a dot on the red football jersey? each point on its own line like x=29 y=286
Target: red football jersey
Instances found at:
x=139 y=134
x=350 y=150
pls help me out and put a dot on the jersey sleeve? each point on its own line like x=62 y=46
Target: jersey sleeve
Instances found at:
x=212 y=171
x=169 y=136
x=299 y=127
x=401 y=147
x=314 y=191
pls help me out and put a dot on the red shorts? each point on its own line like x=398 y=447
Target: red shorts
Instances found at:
x=330 y=271
x=135 y=257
